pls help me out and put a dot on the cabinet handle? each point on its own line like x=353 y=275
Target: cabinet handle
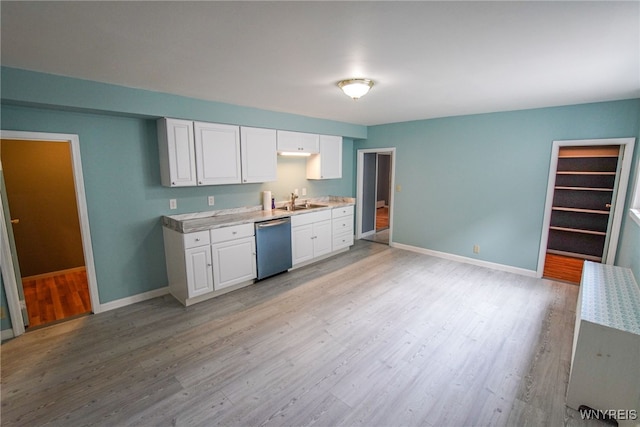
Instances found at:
x=608 y=205
x=197 y=239
x=15 y=221
x=234 y=232
x=173 y=183
x=199 y=182
x=209 y=265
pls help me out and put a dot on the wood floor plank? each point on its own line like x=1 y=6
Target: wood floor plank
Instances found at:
x=376 y=336
x=56 y=296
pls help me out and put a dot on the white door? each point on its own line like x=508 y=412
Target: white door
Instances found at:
x=179 y=169
x=259 y=154
x=331 y=157
x=217 y=153
x=302 y=243
x=322 y=238
x=234 y=262
x=199 y=270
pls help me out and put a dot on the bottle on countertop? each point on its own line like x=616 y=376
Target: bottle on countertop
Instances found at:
x=273 y=203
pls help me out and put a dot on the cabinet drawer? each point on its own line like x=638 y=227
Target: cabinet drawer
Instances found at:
x=343 y=225
x=342 y=241
x=308 y=218
x=199 y=238
x=233 y=232
x=343 y=211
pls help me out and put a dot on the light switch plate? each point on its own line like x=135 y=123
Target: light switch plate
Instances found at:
x=210 y=200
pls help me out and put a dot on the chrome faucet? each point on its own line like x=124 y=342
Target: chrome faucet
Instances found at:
x=293 y=200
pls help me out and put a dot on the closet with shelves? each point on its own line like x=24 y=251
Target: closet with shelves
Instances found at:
x=584 y=189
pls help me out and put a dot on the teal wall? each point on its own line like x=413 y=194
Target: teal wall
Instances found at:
x=122 y=178
x=482 y=179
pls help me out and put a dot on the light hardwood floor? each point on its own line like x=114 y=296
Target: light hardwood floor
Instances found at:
x=376 y=336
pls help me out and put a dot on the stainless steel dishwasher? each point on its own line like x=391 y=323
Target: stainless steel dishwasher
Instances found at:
x=273 y=247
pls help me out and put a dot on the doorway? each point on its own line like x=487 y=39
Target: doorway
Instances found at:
x=47 y=228
x=585 y=201
x=375 y=195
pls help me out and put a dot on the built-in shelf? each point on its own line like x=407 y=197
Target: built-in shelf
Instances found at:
x=578 y=230
x=593 y=211
x=583 y=191
x=585 y=173
x=583 y=188
x=574 y=255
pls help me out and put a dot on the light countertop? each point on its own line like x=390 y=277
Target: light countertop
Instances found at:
x=192 y=222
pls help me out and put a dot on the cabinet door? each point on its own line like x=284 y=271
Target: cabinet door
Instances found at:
x=177 y=152
x=217 y=153
x=199 y=270
x=302 y=243
x=297 y=142
x=328 y=163
x=321 y=238
x=259 y=155
x=233 y=262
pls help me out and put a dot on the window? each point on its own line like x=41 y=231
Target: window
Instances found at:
x=635 y=203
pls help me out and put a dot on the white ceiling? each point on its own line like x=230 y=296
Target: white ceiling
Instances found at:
x=428 y=59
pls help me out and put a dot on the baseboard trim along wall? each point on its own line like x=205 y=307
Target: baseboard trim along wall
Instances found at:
x=466 y=260
x=6 y=334
x=134 y=299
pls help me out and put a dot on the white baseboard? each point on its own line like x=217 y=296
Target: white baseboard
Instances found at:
x=6 y=334
x=466 y=260
x=123 y=302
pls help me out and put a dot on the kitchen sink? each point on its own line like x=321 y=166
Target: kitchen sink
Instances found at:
x=304 y=207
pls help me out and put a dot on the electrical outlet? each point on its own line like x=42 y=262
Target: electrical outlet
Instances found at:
x=295 y=191
x=476 y=249
x=304 y=191
x=398 y=188
x=210 y=200
x=173 y=204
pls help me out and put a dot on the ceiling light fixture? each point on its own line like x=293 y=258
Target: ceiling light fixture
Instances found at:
x=355 y=88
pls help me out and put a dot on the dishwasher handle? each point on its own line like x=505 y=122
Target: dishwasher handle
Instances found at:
x=267 y=224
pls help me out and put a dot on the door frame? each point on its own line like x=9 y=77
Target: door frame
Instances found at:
x=9 y=279
x=626 y=146
x=360 y=187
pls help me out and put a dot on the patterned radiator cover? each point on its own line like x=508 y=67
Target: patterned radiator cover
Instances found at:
x=611 y=297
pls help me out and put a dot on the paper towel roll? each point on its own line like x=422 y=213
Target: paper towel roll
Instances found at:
x=266 y=200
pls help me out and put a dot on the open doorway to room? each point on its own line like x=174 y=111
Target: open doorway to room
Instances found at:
x=48 y=236
x=374 y=205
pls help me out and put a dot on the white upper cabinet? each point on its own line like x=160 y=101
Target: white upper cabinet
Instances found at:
x=298 y=142
x=217 y=153
x=259 y=154
x=177 y=153
x=327 y=164
x=201 y=153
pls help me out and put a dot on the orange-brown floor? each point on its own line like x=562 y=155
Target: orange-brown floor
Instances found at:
x=382 y=218
x=57 y=296
x=564 y=268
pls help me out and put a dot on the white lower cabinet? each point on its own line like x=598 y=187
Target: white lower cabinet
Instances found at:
x=199 y=273
x=310 y=236
x=201 y=263
x=342 y=227
x=234 y=255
